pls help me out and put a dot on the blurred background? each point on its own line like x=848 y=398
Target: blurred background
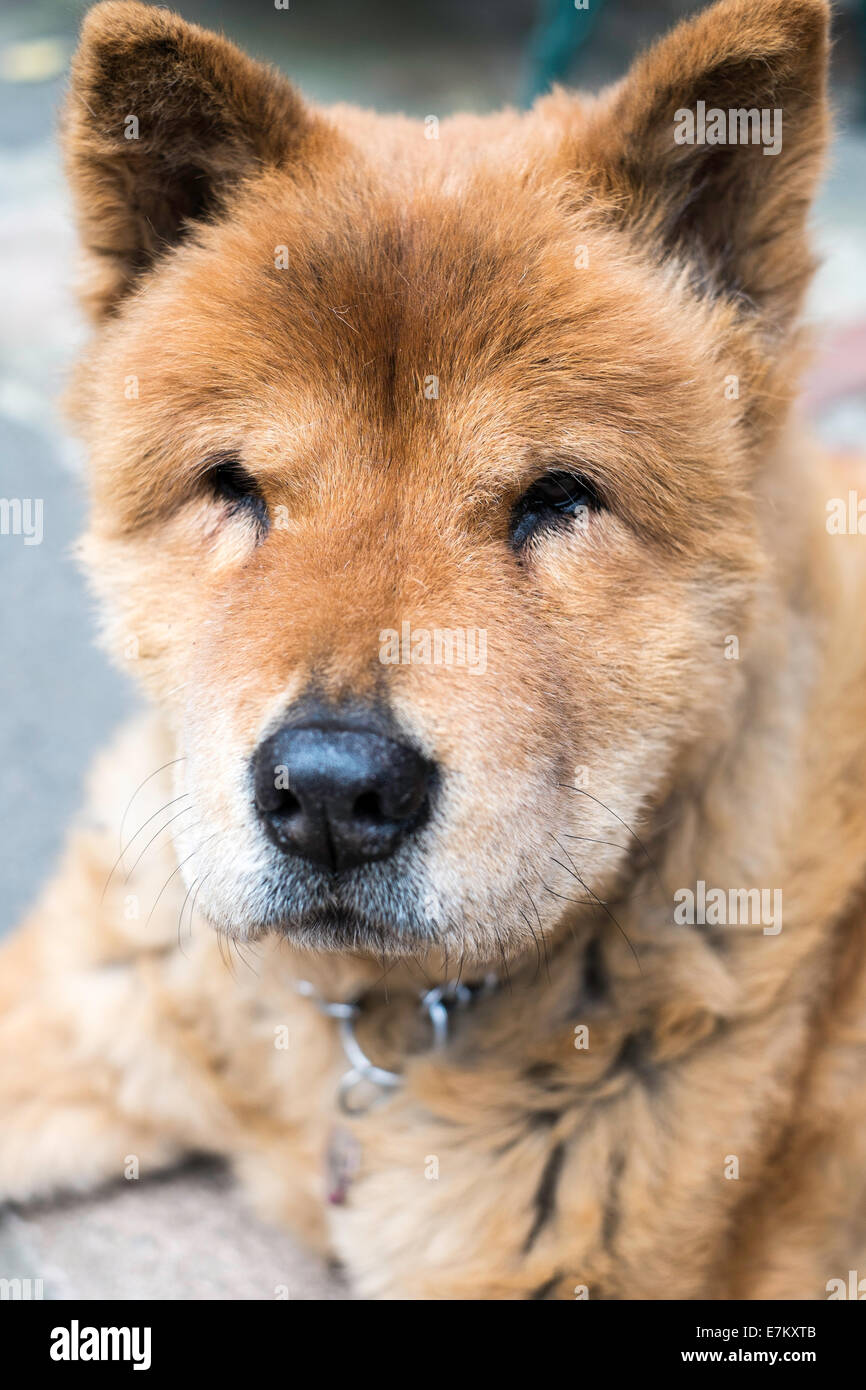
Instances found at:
x=58 y=696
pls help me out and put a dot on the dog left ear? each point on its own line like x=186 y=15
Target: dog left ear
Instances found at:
x=712 y=146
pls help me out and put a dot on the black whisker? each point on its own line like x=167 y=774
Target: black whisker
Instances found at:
x=541 y=931
x=604 y=906
x=624 y=824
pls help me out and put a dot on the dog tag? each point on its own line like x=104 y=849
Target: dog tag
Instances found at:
x=341 y=1164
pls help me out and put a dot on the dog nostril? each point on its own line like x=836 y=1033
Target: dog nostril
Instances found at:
x=289 y=805
x=368 y=807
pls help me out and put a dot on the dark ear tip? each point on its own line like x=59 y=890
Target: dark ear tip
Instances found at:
x=789 y=22
x=804 y=25
x=116 y=19
x=115 y=28
x=811 y=15
x=113 y=35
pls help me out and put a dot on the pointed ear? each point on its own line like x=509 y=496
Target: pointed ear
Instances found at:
x=734 y=212
x=162 y=120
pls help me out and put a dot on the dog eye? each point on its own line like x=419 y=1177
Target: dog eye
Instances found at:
x=230 y=482
x=550 y=501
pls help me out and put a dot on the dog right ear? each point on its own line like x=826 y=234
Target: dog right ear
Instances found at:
x=734 y=210
x=162 y=120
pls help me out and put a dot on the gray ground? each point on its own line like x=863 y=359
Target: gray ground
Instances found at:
x=184 y=1236
x=187 y=1236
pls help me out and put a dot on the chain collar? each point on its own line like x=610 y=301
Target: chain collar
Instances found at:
x=365 y=1085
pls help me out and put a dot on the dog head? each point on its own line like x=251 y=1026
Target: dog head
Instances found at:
x=427 y=472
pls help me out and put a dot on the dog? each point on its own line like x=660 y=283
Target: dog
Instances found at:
x=487 y=882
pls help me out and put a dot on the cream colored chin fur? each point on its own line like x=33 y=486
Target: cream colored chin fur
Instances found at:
x=710 y=1141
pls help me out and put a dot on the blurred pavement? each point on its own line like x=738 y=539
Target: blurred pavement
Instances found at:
x=182 y=1236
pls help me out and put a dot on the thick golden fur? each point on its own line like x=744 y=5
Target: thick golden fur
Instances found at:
x=585 y=291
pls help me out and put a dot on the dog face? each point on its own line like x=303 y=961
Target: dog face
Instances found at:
x=425 y=472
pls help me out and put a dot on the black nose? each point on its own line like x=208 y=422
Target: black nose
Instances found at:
x=339 y=796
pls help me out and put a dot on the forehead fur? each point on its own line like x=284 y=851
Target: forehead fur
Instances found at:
x=306 y=325
x=578 y=289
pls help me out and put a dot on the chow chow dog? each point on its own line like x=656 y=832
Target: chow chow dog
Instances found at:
x=487 y=885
